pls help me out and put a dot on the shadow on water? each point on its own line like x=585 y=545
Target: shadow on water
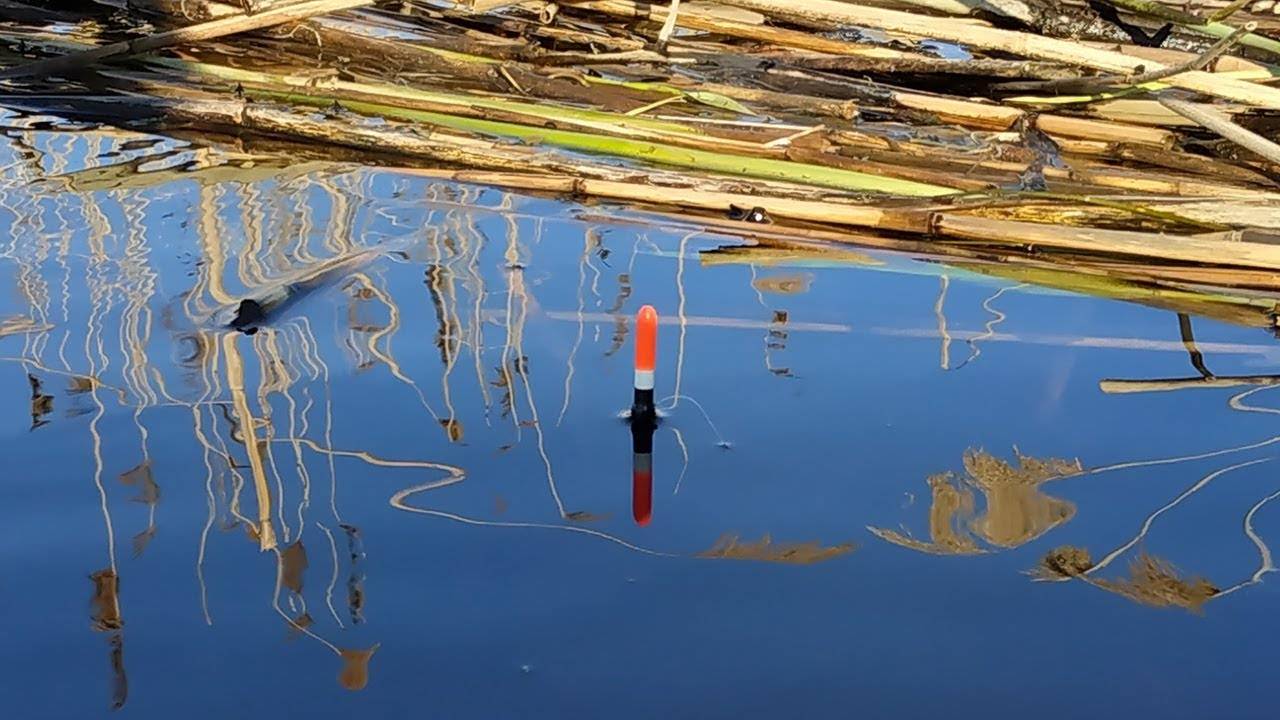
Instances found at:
x=301 y=340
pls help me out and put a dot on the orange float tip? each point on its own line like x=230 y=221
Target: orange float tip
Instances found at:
x=646 y=339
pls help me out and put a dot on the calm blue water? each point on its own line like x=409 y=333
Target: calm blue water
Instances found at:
x=448 y=488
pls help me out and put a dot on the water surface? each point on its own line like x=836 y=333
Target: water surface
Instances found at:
x=411 y=493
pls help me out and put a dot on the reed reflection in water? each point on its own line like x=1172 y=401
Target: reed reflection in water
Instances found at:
x=457 y=354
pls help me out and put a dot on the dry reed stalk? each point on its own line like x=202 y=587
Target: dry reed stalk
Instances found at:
x=486 y=108
x=1017 y=43
x=221 y=27
x=704 y=19
x=193 y=10
x=1211 y=120
x=1209 y=248
x=646 y=151
x=1166 y=56
x=1082 y=174
x=1104 y=130
x=976 y=67
x=816 y=211
x=1133 y=111
x=1105 y=83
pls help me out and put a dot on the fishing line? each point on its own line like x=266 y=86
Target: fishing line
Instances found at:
x=706 y=416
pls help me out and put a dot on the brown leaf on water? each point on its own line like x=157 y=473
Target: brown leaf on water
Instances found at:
x=783 y=284
x=729 y=547
x=355 y=668
x=105 y=603
x=1155 y=582
x=293 y=563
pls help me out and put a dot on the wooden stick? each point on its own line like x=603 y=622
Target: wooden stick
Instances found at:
x=220 y=27
x=1223 y=126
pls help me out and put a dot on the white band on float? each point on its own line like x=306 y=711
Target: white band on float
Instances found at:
x=644 y=380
